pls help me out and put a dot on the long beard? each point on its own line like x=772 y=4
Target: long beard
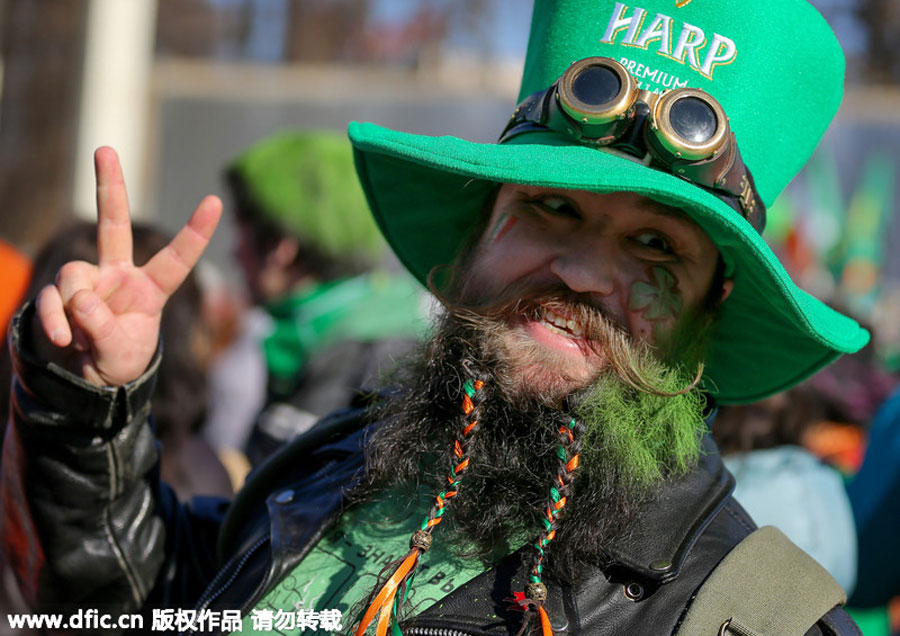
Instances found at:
x=630 y=439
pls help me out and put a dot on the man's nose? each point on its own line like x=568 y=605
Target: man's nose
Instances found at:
x=586 y=267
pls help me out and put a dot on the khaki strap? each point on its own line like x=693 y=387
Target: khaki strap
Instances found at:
x=766 y=586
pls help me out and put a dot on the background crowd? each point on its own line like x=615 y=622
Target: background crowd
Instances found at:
x=298 y=309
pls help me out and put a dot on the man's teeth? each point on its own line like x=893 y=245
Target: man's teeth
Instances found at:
x=557 y=323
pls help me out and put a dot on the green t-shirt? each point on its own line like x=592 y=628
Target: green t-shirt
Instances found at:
x=343 y=568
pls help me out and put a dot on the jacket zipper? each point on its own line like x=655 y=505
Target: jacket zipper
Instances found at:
x=215 y=589
x=433 y=631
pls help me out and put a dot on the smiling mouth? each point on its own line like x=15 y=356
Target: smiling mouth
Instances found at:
x=558 y=324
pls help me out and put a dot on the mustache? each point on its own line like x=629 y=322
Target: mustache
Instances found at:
x=604 y=332
x=529 y=299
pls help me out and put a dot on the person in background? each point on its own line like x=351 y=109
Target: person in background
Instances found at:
x=875 y=498
x=15 y=271
x=781 y=483
x=797 y=457
x=330 y=326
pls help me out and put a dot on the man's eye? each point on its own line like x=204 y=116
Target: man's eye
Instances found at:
x=654 y=242
x=559 y=206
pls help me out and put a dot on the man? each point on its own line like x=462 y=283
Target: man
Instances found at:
x=543 y=465
x=307 y=246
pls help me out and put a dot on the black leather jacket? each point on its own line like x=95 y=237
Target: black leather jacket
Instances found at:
x=87 y=523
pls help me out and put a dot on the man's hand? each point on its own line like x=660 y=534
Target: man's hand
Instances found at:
x=102 y=321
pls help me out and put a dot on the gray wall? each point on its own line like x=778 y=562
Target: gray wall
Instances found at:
x=198 y=136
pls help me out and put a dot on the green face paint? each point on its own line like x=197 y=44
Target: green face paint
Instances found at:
x=659 y=299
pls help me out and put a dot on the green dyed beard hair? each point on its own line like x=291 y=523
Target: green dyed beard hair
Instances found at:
x=651 y=433
x=645 y=435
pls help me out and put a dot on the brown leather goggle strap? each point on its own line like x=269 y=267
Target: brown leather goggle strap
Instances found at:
x=727 y=173
x=529 y=111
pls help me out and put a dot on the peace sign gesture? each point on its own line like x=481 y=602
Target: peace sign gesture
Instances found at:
x=102 y=321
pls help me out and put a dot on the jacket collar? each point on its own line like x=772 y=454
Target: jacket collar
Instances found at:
x=666 y=526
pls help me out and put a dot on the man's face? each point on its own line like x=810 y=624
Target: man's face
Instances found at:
x=622 y=269
x=642 y=264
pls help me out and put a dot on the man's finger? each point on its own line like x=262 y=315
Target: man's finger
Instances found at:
x=171 y=265
x=73 y=277
x=52 y=317
x=93 y=317
x=113 y=220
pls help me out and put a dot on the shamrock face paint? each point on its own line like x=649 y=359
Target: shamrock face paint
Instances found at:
x=505 y=222
x=659 y=299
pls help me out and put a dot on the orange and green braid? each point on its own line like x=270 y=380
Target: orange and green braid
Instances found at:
x=560 y=492
x=387 y=602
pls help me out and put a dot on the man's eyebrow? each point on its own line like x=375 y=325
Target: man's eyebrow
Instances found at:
x=661 y=209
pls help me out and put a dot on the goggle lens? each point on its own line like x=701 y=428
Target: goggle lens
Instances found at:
x=693 y=119
x=596 y=86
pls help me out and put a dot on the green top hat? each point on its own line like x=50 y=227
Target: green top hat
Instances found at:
x=776 y=69
x=302 y=183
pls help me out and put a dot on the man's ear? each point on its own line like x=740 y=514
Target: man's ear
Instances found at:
x=727 y=286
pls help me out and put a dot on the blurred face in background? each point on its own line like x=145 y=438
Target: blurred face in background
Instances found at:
x=268 y=262
x=247 y=256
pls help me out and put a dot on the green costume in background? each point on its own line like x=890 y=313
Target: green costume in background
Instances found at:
x=365 y=308
x=341 y=327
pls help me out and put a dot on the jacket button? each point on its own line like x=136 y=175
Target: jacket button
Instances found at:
x=661 y=566
x=634 y=591
x=285 y=497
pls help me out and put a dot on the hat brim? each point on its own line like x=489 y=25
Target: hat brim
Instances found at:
x=426 y=194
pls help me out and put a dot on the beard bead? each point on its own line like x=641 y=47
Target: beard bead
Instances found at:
x=421 y=540
x=536 y=591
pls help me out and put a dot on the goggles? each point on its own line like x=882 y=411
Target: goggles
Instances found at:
x=685 y=131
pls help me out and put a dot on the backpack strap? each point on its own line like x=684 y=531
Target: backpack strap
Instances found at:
x=766 y=586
